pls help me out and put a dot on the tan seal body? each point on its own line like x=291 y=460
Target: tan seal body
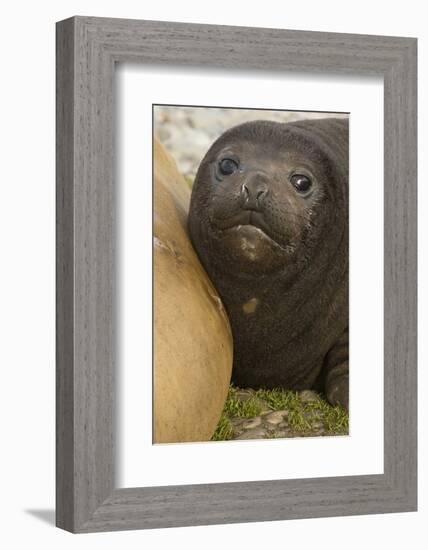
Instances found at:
x=192 y=336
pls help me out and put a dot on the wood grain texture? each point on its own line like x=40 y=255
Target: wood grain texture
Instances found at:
x=64 y=278
x=87 y=49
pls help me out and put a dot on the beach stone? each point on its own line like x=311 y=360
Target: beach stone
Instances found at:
x=308 y=396
x=244 y=395
x=192 y=336
x=257 y=433
x=264 y=406
x=280 y=433
x=275 y=417
x=247 y=395
x=252 y=423
x=317 y=425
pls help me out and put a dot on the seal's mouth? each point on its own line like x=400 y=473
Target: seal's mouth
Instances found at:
x=245 y=217
x=249 y=220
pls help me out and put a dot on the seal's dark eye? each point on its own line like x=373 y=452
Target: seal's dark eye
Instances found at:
x=228 y=166
x=301 y=183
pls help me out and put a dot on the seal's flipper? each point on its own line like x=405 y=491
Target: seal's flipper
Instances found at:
x=337 y=372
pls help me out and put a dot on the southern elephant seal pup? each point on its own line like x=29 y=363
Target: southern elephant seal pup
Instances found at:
x=269 y=220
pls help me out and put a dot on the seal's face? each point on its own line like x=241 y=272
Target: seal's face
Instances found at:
x=266 y=193
x=262 y=199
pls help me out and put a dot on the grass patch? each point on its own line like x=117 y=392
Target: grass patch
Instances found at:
x=304 y=416
x=224 y=429
x=244 y=409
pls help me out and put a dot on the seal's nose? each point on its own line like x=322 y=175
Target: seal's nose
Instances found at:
x=254 y=191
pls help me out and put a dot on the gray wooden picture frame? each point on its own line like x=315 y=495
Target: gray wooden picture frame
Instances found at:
x=87 y=50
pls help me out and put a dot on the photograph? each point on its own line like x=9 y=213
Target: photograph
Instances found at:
x=250 y=273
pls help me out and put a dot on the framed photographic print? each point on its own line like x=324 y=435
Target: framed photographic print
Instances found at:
x=236 y=274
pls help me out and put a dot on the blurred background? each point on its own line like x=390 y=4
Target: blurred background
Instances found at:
x=188 y=132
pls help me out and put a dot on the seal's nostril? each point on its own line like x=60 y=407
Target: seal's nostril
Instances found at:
x=253 y=192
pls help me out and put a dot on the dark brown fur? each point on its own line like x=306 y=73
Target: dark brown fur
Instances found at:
x=285 y=284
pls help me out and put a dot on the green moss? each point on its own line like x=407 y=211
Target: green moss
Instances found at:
x=304 y=417
x=278 y=399
x=224 y=429
x=243 y=409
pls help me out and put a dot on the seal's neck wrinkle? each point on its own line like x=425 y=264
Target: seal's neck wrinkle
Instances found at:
x=289 y=285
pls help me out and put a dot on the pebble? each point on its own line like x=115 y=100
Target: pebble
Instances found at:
x=282 y=433
x=257 y=433
x=252 y=423
x=318 y=425
x=308 y=396
x=275 y=417
x=244 y=395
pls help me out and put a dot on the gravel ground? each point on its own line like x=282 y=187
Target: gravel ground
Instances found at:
x=188 y=132
x=271 y=414
x=276 y=424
